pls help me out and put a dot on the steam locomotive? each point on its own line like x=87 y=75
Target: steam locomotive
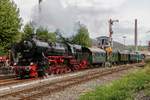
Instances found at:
x=36 y=58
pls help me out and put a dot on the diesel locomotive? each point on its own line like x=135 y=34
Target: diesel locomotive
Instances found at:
x=35 y=58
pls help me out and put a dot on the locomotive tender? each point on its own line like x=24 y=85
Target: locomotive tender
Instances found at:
x=35 y=58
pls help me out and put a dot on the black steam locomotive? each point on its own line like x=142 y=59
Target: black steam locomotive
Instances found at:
x=33 y=58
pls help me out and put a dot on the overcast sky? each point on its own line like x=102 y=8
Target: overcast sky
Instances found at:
x=63 y=14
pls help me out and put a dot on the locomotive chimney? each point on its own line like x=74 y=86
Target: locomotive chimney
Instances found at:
x=136 y=48
x=40 y=1
x=40 y=5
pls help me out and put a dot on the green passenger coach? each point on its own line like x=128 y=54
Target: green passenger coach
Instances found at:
x=96 y=55
x=114 y=57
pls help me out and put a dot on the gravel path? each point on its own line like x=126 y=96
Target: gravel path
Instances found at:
x=141 y=96
x=73 y=93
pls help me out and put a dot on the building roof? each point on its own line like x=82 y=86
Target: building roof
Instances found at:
x=96 y=50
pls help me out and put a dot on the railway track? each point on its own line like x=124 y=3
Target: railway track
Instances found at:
x=59 y=85
x=4 y=80
x=5 y=76
x=13 y=81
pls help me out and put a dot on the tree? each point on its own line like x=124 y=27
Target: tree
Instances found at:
x=43 y=34
x=82 y=37
x=10 y=22
x=52 y=37
x=28 y=31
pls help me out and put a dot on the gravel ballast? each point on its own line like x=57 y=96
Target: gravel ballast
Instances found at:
x=74 y=92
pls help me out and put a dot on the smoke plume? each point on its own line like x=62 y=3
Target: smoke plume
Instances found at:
x=66 y=14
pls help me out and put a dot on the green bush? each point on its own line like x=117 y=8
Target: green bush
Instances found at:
x=2 y=51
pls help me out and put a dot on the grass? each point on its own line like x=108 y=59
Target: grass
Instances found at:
x=147 y=90
x=123 y=89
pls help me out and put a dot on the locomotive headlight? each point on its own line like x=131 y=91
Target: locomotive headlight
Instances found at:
x=15 y=64
x=31 y=63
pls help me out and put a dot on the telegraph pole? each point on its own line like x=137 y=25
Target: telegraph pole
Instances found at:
x=124 y=40
x=111 y=31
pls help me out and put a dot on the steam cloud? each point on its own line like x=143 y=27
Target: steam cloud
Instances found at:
x=64 y=15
